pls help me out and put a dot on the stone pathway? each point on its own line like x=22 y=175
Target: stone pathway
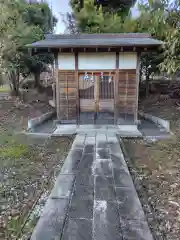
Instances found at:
x=94 y=197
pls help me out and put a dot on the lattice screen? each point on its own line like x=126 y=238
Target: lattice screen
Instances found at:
x=127 y=94
x=67 y=95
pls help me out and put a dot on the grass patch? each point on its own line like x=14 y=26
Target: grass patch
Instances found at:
x=10 y=148
x=7 y=138
x=15 y=151
x=4 y=88
x=14 y=226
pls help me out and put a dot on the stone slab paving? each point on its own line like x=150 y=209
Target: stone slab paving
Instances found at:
x=94 y=197
x=121 y=130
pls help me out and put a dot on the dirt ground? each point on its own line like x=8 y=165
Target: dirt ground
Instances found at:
x=28 y=168
x=14 y=113
x=155 y=169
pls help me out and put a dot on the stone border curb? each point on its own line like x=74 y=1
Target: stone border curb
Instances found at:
x=38 y=120
x=159 y=121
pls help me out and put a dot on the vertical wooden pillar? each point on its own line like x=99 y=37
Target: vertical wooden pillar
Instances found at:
x=96 y=94
x=126 y=97
x=137 y=87
x=56 y=73
x=116 y=82
x=67 y=98
x=77 y=88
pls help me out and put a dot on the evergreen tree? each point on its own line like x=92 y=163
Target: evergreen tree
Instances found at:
x=21 y=24
x=92 y=19
x=121 y=7
x=171 y=63
x=37 y=14
x=156 y=17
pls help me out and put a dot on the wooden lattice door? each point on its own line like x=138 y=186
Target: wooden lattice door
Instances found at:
x=96 y=93
x=106 y=93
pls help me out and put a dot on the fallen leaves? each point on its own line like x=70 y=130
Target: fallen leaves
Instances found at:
x=24 y=176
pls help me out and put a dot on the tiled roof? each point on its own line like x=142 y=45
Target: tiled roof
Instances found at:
x=96 y=40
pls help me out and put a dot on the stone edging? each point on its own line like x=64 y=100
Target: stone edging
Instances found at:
x=38 y=120
x=159 y=121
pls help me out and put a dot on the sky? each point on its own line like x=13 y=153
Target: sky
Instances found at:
x=61 y=7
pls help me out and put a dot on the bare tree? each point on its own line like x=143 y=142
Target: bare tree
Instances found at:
x=70 y=23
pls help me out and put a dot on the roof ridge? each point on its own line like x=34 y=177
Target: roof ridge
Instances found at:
x=97 y=35
x=97 y=40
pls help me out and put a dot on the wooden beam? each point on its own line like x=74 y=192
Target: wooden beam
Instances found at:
x=106 y=49
x=77 y=88
x=98 y=71
x=116 y=83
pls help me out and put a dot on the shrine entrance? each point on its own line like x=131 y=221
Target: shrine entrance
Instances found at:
x=96 y=96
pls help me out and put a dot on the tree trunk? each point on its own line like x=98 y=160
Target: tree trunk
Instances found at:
x=147 y=87
x=37 y=80
x=14 y=79
x=147 y=83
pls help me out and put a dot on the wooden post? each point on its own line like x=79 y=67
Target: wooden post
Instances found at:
x=77 y=87
x=67 y=98
x=126 y=96
x=116 y=83
x=54 y=91
x=137 y=87
x=57 y=103
x=96 y=94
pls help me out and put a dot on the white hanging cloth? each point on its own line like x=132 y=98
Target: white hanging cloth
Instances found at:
x=86 y=77
x=102 y=76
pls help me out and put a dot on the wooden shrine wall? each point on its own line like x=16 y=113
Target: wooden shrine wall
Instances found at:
x=67 y=91
x=68 y=95
x=126 y=93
